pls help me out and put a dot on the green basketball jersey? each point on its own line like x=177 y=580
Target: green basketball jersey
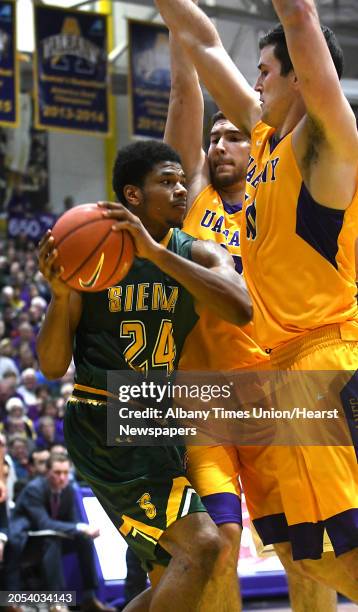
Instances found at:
x=139 y=324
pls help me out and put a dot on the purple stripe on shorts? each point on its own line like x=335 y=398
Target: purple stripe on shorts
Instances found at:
x=272 y=529
x=223 y=508
x=307 y=538
x=349 y=399
x=343 y=530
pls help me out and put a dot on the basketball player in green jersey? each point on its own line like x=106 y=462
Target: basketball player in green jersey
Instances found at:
x=139 y=324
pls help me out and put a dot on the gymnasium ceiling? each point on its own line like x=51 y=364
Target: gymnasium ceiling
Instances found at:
x=239 y=23
x=245 y=19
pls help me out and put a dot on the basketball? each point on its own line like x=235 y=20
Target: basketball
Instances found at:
x=93 y=256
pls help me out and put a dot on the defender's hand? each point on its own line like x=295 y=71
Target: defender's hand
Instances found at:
x=49 y=266
x=144 y=244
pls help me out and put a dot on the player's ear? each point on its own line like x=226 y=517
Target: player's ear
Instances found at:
x=294 y=79
x=133 y=195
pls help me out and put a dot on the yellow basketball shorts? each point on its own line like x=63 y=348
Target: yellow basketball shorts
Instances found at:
x=297 y=493
x=214 y=473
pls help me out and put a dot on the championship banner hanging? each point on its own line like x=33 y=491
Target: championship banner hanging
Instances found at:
x=71 y=71
x=9 y=81
x=149 y=78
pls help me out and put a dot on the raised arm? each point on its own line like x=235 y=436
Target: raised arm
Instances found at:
x=55 y=340
x=330 y=121
x=184 y=127
x=197 y=35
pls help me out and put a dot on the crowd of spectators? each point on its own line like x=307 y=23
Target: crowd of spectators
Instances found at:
x=31 y=432
x=36 y=465
x=31 y=407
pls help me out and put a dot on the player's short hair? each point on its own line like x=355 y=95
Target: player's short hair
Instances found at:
x=136 y=160
x=218 y=116
x=277 y=37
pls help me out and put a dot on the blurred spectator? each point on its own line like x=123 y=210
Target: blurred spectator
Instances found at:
x=42 y=286
x=58 y=449
x=38 y=307
x=2 y=328
x=10 y=319
x=9 y=468
x=3 y=529
x=4 y=396
x=7 y=295
x=15 y=407
x=25 y=333
x=3 y=491
x=11 y=381
x=61 y=407
x=43 y=392
x=16 y=420
x=49 y=408
x=10 y=296
x=19 y=450
x=30 y=269
x=38 y=462
x=49 y=503
x=7 y=348
x=27 y=388
x=4 y=270
x=46 y=433
x=16 y=425
x=25 y=357
x=66 y=391
x=7 y=363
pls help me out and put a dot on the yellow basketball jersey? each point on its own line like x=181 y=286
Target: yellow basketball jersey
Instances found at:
x=214 y=344
x=298 y=256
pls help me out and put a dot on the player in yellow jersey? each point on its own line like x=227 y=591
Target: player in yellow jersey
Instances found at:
x=216 y=185
x=300 y=226
x=216 y=188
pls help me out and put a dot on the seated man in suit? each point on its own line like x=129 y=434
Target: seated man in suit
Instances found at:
x=48 y=502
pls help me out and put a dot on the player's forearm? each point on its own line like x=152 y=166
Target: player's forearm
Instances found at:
x=188 y=22
x=222 y=290
x=317 y=77
x=291 y=12
x=55 y=340
x=182 y=70
x=216 y=70
x=184 y=124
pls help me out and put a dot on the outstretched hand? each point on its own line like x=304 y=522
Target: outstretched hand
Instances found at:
x=145 y=246
x=49 y=266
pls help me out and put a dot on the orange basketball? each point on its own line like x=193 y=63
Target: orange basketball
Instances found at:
x=93 y=256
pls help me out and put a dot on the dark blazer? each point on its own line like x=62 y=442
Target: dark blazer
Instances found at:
x=33 y=511
x=3 y=519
